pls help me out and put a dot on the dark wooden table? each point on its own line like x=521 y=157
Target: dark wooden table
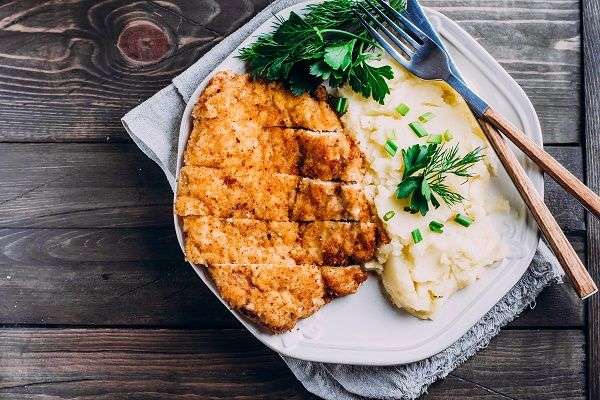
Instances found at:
x=95 y=299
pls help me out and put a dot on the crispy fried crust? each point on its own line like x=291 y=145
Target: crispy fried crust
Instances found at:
x=212 y=240
x=318 y=155
x=272 y=202
x=279 y=295
x=235 y=97
x=240 y=193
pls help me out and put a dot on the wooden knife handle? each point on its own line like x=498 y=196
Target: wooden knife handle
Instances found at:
x=566 y=255
x=546 y=162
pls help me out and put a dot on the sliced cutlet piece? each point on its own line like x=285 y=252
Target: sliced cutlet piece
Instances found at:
x=278 y=295
x=248 y=193
x=235 y=193
x=225 y=144
x=318 y=200
x=238 y=97
x=330 y=156
x=210 y=240
x=318 y=155
x=336 y=243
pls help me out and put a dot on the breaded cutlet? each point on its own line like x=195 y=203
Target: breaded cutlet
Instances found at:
x=213 y=240
x=272 y=201
x=250 y=193
x=319 y=155
x=238 y=97
x=279 y=295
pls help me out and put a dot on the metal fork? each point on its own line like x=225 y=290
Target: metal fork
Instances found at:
x=422 y=56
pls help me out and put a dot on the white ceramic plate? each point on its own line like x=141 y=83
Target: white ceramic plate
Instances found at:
x=364 y=328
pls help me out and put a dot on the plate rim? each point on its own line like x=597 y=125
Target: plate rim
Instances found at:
x=527 y=117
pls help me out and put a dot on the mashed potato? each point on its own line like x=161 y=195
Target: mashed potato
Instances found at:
x=420 y=277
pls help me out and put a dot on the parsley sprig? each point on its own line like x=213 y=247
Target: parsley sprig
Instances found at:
x=425 y=171
x=328 y=44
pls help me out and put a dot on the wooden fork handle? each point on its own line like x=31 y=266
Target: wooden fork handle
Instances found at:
x=566 y=255
x=546 y=162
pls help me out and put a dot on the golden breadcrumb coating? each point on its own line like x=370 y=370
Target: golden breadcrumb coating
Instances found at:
x=279 y=295
x=213 y=240
x=237 y=97
x=249 y=193
x=272 y=200
x=319 y=155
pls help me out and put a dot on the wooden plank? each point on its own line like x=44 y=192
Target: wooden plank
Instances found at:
x=567 y=211
x=208 y=364
x=56 y=71
x=115 y=185
x=558 y=305
x=78 y=67
x=519 y=365
x=591 y=38
x=81 y=185
x=538 y=43
x=138 y=277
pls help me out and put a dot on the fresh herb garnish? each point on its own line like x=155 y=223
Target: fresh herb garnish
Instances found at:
x=416 y=236
x=418 y=129
x=436 y=226
x=463 y=220
x=389 y=215
x=425 y=172
x=402 y=109
x=390 y=147
x=328 y=44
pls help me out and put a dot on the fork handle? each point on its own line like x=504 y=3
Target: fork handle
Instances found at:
x=562 y=249
x=546 y=162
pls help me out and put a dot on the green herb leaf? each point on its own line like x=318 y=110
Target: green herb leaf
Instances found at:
x=339 y=56
x=426 y=169
x=327 y=44
x=320 y=70
x=407 y=187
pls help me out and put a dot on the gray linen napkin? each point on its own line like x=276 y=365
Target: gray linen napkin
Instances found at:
x=154 y=127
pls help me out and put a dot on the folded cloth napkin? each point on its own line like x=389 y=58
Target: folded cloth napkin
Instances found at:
x=154 y=127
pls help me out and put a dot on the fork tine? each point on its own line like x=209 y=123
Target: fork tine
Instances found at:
x=390 y=35
x=398 y=29
x=409 y=25
x=384 y=43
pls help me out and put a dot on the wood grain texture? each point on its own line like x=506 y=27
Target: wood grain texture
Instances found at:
x=60 y=61
x=550 y=166
x=539 y=44
x=209 y=364
x=591 y=29
x=579 y=277
x=137 y=277
x=115 y=185
x=78 y=66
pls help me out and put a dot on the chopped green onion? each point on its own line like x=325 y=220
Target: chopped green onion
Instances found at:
x=448 y=136
x=392 y=135
x=341 y=105
x=390 y=147
x=402 y=109
x=428 y=116
x=410 y=210
x=389 y=215
x=418 y=129
x=435 y=139
x=463 y=220
x=416 y=236
x=436 y=226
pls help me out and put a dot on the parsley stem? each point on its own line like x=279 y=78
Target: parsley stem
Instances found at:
x=349 y=34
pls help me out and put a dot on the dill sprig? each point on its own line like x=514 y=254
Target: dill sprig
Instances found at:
x=425 y=171
x=328 y=44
